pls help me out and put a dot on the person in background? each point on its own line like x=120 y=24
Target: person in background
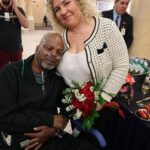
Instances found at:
x=123 y=20
x=30 y=93
x=45 y=21
x=11 y=20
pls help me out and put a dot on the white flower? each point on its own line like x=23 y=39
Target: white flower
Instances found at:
x=77 y=115
x=79 y=96
x=82 y=84
x=64 y=101
x=82 y=98
x=96 y=94
x=69 y=108
x=76 y=92
x=68 y=90
x=67 y=99
x=91 y=88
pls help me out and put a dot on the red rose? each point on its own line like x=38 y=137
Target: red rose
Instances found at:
x=90 y=96
x=86 y=88
x=87 y=108
x=85 y=114
x=77 y=104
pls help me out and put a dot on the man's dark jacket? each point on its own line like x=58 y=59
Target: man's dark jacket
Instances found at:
x=126 y=22
x=23 y=105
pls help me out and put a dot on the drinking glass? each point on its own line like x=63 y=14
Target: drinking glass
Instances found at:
x=146 y=86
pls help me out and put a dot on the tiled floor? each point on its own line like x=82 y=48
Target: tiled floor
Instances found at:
x=30 y=40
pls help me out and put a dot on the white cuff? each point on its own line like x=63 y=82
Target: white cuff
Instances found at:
x=106 y=96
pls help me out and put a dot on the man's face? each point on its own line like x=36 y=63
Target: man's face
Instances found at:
x=49 y=53
x=121 y=6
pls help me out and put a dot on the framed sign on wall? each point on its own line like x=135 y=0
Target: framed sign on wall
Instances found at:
x=104 y=4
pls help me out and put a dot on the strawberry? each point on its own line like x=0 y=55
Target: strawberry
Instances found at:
x=141 y=113
x=147 y=107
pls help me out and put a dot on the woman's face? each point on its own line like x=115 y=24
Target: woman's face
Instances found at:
x=67 y=12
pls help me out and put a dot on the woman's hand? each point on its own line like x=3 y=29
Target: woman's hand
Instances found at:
x=99 y=106
x=39 y=137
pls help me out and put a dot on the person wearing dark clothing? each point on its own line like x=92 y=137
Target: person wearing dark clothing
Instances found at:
x=30 y=93
x=11 y=20
x=123 y=20
x=45 y=21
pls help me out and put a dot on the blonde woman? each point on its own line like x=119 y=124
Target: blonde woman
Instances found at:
x=94 y=50
x=94 y=47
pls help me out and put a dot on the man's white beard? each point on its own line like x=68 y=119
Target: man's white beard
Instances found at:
x=47 y=67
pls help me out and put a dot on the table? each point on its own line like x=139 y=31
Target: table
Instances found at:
x=130 y=133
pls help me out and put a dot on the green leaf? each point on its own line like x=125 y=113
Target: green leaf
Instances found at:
x=113 y=108
x=95 y=114
x=87 y=124
x=76 y=85
x=101 y=100
x=89 y=121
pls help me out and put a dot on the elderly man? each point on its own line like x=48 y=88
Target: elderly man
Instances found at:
x=123 y=20
x=30 y=93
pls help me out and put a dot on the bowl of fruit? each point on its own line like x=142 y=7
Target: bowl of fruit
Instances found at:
x=144 y=112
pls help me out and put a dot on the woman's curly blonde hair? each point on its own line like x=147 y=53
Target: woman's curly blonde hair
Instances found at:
x=86 y=7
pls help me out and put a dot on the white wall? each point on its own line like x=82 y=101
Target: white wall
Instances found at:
x=140 y=10
x=38 y=11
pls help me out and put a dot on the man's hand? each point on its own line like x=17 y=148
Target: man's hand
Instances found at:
x=39 y=137
x=60 y=122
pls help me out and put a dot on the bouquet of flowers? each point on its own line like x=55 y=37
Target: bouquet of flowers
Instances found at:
x=81 y=101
